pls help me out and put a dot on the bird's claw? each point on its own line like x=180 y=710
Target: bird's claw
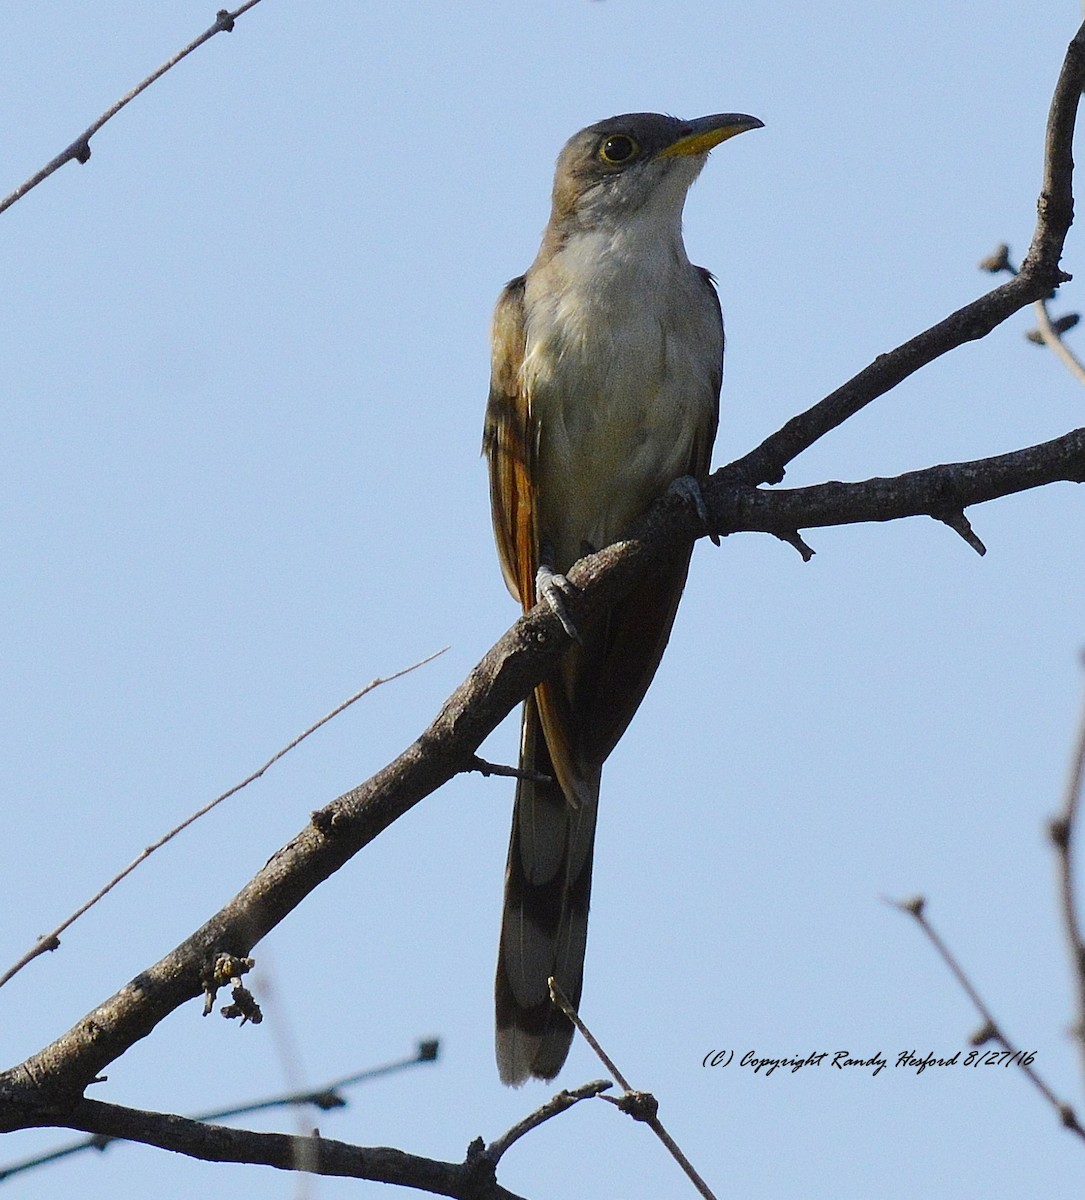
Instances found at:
x=688 y=489
x=553 y=588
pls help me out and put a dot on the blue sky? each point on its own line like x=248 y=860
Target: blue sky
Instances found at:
x=245 y=363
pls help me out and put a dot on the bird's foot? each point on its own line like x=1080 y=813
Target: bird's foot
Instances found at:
x=688 y=489
x=553 y=588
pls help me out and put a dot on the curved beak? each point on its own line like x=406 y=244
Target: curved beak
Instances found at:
x=700 y=135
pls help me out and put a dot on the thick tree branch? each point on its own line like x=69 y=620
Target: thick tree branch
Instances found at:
x=519 y=661
x=500 y=681
x=472 y=1179
x=934 y=492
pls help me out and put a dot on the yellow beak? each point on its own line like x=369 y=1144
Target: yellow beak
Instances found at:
x=700 y=135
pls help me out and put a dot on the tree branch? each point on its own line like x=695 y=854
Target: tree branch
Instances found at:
x=325 y=1097
x=499 y=682
x=933 y=492
x=472 y=1179
x=522 y=658
x=1039 y=273
x=641 y=1106
x=51 y=941
x=1063 y=829
x=79 y=150
x=557 y=1104
x=991 y=1030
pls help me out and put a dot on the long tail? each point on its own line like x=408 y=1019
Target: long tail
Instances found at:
x=544 y=927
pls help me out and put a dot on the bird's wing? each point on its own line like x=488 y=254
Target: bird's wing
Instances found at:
x=509 y=445
x=585 y=708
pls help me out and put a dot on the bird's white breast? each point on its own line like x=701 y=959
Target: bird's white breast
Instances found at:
x=621 y=371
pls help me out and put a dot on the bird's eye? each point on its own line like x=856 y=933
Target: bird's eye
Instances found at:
x=618 y=149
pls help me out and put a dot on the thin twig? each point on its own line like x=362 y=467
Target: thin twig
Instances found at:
x=51 y=940
x=327 y=1097
x=960 y=524
x=1062 y=834
x=324 y=1098
x=79 y=150
x=558 y=997
x=556 y=1104
x=641 y=1106
x=992 y=1030
x=1053 y=340
x=1046 y=332
x=486 y=769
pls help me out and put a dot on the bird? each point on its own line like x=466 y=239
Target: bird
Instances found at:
x=607 y=360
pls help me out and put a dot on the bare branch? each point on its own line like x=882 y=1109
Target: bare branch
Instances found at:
x=934 y=492
x=51 y=940
x=79 y=150
x=326 y=1097
x=991 y=1030
x=1055 y=206
x=1062 y=831
x=516 y=664
x=557 y=1104
x=472 y=1179
x=1048 y=332
x=1038 y=275
x=1051 y=336
x=641 y=1106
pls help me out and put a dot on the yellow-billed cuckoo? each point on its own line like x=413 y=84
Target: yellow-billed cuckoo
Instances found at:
x=607 y=361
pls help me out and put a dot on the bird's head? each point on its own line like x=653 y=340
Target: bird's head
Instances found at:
x=615 y=167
